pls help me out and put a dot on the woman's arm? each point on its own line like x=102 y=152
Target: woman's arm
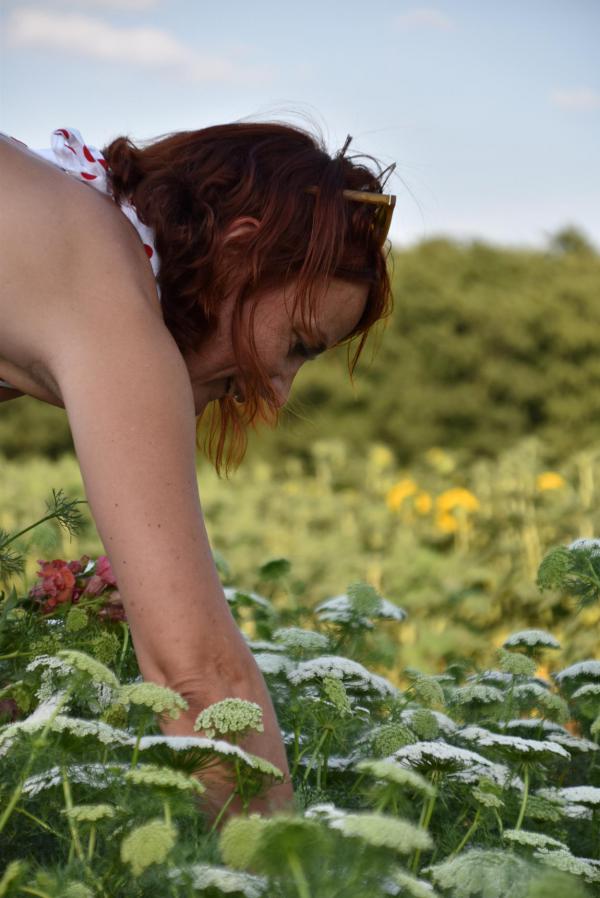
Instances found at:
x=129 y=401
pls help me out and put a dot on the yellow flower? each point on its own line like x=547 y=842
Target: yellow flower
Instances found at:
x=440 y=460
x=399 y=492
x=457 y=497
x=380 y=456
x=448 y=502
x=423 y=503
x=549 y=480
x=446 y=522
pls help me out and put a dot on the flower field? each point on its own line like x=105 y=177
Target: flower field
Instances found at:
x=429 y=639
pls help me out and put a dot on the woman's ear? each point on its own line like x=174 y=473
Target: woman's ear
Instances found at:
x=241 y=226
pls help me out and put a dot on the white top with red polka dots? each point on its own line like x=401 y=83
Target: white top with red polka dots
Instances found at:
x=69 y=152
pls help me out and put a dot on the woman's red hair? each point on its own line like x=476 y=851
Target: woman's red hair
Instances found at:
x=191 y=185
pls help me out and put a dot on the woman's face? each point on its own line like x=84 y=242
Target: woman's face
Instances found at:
x=282 y=343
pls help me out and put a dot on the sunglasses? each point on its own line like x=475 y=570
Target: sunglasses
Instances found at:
x=382 y=218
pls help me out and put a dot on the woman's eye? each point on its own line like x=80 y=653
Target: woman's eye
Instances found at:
x=304 y=351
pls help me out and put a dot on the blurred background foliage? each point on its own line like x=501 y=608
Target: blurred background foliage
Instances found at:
x=485 y=345
x=469 y=446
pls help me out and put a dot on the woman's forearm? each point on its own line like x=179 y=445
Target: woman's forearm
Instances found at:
x=245 y=682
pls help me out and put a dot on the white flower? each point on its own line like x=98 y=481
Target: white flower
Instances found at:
x=271 y=663
x=207 y=876
x=491 y=676
x=245 y=596
x=394 y=772
x=297 y=638
x=52 y=662
x=581 y=794
x=592 y=545
x=99 y=776
x=325 y=810
x=478 y=692
x=208 y=747
x=588 y=668
x=339 y=609
x=487 y=739
x=499 y=774
x=532 y=840
x=535 y=723
x=261 y=645
x=572 y=743
x=354 y=675
x=589 y=690
x=382 y=830
x=568 y=809
x=402 y=883
x=99 y=672
x=438 y=755
x=445 y=723
x=568 y=863
x=531 y=639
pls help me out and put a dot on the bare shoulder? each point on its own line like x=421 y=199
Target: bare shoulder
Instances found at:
x=67 y=256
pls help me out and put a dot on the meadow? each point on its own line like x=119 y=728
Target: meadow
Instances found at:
x=415 y=566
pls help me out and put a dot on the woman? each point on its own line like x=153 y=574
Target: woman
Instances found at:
x=244 y=251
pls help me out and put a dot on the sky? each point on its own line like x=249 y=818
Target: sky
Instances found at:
x=490 y=110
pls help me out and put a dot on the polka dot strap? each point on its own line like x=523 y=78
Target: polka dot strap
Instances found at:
x=70 y=152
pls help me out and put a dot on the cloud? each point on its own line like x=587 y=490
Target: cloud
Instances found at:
x=120 y=5
x=143 y=46
x=579 y=98
x=422 y=17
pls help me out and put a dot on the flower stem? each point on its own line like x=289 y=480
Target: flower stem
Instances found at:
x=222 y=811
x=72 y=825
x=315 y=753
x=167 y=810
x=91 y=842
x=298 y=875
x=467 y=835
x=426 y=815
x=39 y=822
x=525 y=796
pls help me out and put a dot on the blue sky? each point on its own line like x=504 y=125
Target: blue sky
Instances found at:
x=491 y=110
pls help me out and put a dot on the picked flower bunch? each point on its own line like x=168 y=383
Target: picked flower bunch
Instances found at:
x=78 y=582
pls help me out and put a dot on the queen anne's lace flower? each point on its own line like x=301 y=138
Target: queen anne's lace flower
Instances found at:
x=532 y=840
x=383 y=831
x=89 y=813
x=515 y=744
x=588 y=690
x=517 y=664
x=297 y=638
x=445 y=723
x=573 y=743
x=324 y=810
x=148 y=844
x=531 y=639
x=340 y=609
x=85 y=663
x=99 y=776
x=478 y=693
x=589 y=795
x=535 y=723
x=272 y=663
x=477 y=872
x=438 y=756
x=568 y=863
x=210 y=749
x=409 y=885
x=160 y=699
x=354 y=675
x=163 y=777
x=499 y=774
x=246 y=597
x=208 y=877
x=591 y=545
x=586 y=669
x=394 y=772
x=232 y=716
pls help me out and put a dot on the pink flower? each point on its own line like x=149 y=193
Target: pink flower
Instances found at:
x=58 y=581
x=101 y=578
